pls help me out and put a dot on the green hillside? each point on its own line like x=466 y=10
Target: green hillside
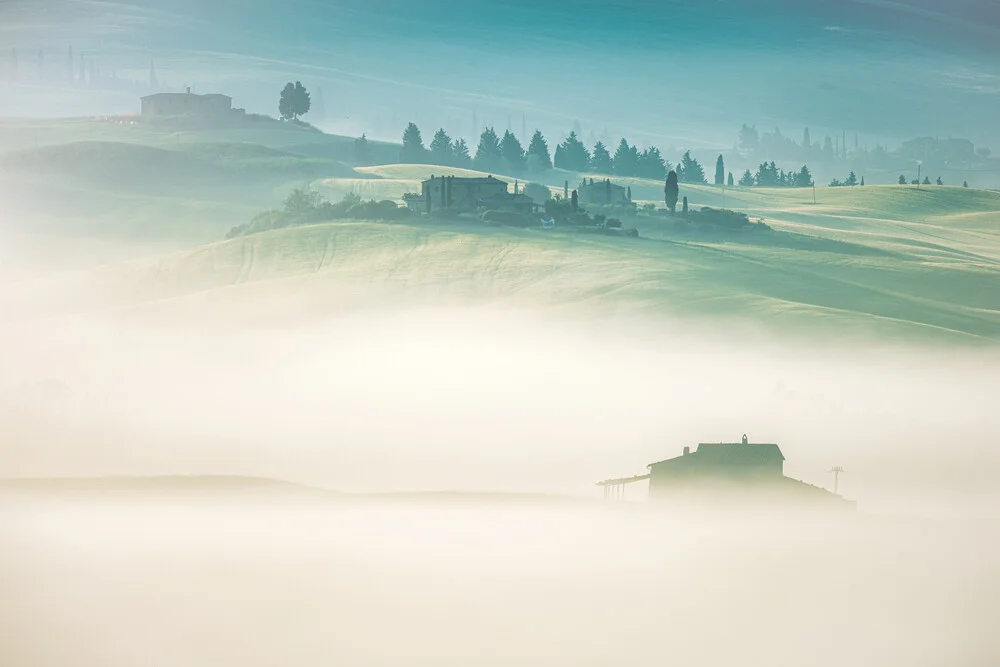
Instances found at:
x=841 y=275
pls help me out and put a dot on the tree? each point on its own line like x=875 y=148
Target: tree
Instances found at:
x=965 y=184
x=575 y=201
x=720 y=171
x=600 y=159
x=441 y=148
x=804 y=179
x=747 y=179
x=767 y=175
x=575 y=156
x=512 y=152
x=413 y=151
x=362 y=152
x=671 y=191
x=730 y=181
x=684 y=210
x=862 y=181
x=626 y=159
x=927 y=181
x=749 y=139
x=559 y=159
x=538 y=158
x=939 y=181
x=902 y=179
x=650 y=164
x=294 y=101
x=689 y=170
x=852 y=179
x=460 y=154
x=488 y=155
x=828 y=153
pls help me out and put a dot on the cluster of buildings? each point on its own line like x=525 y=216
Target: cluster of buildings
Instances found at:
x=466 y=194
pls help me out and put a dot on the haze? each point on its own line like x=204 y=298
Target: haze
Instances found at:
x=326 y=367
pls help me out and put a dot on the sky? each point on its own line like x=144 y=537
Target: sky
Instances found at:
x=678 y=73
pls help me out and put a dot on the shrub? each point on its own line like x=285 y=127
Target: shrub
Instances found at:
x=509 y=218
x=538 y=193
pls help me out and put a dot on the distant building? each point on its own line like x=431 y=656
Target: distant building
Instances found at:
x=741 y=462
x=456 y=193
x=721 y=469
x=508 y=201
x=186 y=104
x=601 y=193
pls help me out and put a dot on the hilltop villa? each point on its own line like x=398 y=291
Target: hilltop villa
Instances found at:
x=468 y=194
x=602 y=193
x=186 y=104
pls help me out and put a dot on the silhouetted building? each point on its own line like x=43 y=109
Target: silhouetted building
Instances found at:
x=186 y=104
x=461 y=194
x=726 y=470
x=740 y=462
x=601 y=193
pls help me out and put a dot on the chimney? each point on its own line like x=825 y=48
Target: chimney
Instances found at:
x=687 y=450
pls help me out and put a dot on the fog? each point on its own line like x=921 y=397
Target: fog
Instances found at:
x=376 y=444
x=392 y=398
x=243 y=580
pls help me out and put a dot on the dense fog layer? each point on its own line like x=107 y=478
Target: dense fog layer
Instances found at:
x=486 y=399
x=245 y=580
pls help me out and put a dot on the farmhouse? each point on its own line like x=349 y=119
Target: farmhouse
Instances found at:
x=725 y=469
x=456 y=193
x=601 y=193
x=186 y=104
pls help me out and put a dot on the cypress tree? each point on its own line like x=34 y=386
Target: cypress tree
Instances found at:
x=720 y=171
x=730 y=179
x=670 y=191
x=684 y=211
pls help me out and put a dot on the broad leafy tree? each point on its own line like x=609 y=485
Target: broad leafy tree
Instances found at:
x=294 y=101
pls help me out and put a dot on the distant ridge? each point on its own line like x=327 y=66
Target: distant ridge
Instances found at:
x=180 y=483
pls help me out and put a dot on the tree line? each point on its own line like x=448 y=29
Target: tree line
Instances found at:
x=506 y=154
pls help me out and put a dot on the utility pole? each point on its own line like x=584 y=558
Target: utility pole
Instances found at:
x=919 y=165
x=836 y=470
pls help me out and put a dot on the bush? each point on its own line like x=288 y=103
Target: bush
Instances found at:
x=538 y=193
x=509 y=218
x=303 y=207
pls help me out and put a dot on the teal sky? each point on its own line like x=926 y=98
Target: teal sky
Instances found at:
x=678 y=73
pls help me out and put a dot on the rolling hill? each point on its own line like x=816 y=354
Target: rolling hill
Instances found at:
x=858 y=263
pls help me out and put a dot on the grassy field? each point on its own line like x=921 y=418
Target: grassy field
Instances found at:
x=885 y=261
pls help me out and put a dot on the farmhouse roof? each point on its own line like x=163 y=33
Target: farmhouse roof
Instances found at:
x=729 y=453
x=162 y=95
